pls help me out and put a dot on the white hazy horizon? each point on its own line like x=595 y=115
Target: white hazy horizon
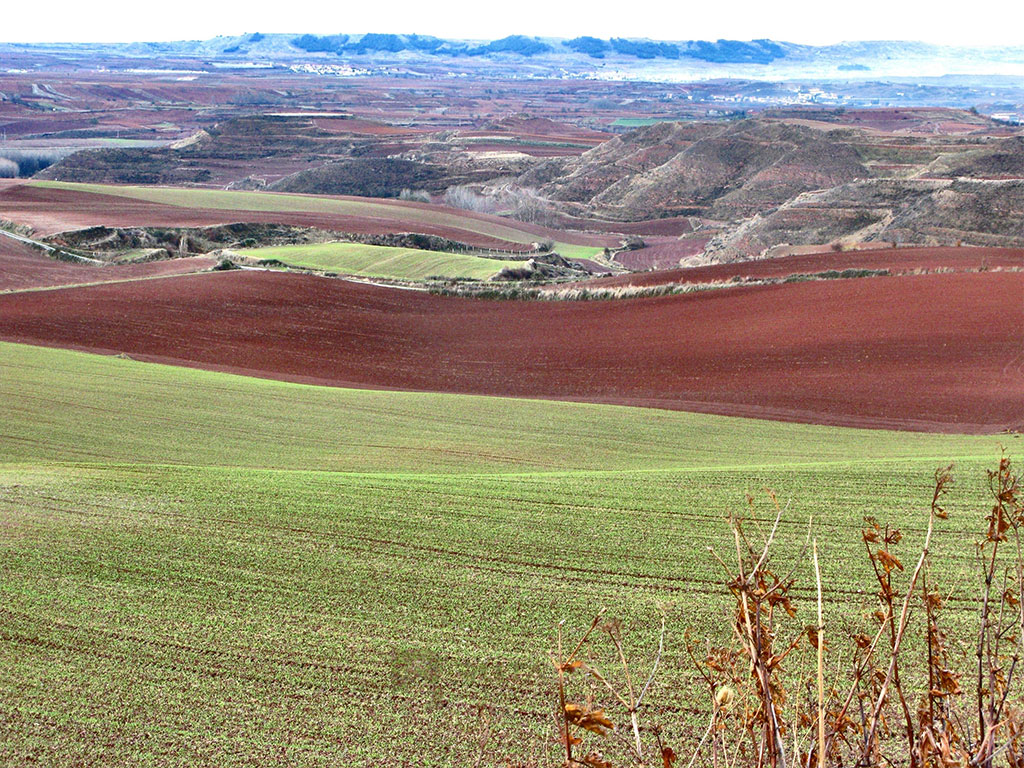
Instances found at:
x=799 y=21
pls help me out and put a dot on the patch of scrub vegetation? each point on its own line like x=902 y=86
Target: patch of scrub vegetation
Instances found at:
x=27 y=162
x=235 y=570
x=381 y=261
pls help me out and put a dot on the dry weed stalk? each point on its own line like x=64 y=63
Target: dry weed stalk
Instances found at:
x=577 y=718
x=883 y=564
x=999 y=617
x=759 y=595
x=757 y=715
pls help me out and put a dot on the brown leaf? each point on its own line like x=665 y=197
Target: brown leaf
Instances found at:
x=596 y=760
x=668 y=757
x=888 y=561
x=573 y=740
x=588 y=719
x=812 y=635
x=789 y=608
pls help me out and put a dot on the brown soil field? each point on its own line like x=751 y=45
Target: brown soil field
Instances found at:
x=915 y=121
x=541 y=128
x=668 y=227
x=940 y=352
x=896 y=260
x=356 y=125
x=537 y=137
x=592 y=266
x=22 y=267
x=50 y=210
x=661 y=253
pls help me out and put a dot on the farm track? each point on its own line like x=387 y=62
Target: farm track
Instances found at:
x=937 y=352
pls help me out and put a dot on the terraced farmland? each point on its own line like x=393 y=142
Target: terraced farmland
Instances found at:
x=24 y=268
x=221 y=200
x=382 y=261
x=52 y=206
x=897 y=261
x=205 y=569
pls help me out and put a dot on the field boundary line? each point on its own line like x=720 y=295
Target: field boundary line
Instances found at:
x=119 y=281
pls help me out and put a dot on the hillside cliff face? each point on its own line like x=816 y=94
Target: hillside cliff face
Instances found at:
x=617 y=161
x=769 y=182
x=919 y=211
x=719 y=171
x=999 y=160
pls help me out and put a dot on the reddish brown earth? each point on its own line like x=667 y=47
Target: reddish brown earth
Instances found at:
x=538 y=137
x=668 y=227
x=542 y=128
x=940 y=352
x=662 y=252
x=23 y=267
x=49 y=210
x=356 y=125
x=592 y=266
x=919 y=121
x=896 y=260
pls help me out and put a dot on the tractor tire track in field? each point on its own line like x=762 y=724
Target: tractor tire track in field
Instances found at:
x=554 y=571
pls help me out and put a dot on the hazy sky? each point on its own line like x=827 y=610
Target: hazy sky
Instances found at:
x=980 y=22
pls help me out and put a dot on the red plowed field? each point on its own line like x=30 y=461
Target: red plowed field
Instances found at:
x=23 y=267
x=672 y=227
x=933 y=352
x=896 y=260
x=50 y=210
x=662 y=252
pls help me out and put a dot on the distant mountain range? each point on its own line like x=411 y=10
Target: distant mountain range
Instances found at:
x=669 y=60
x=724 y=51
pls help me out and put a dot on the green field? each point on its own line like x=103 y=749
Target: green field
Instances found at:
x=382 y=261
x=643 y=122
x=205 y=569
x=567 y=251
